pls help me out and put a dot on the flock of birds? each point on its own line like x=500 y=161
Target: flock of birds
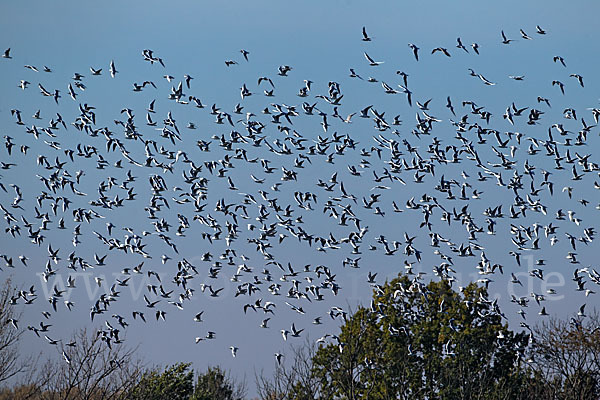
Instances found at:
x=327 y=192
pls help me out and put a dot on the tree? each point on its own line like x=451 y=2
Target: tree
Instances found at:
x=89 y=367
x=294 y=380
x=214 y=384
x=175 y=383
x=423 y=342
x=566 y=357
x=11 y=361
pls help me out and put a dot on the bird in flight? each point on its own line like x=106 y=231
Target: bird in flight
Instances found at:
x=365 y=37
x=372 y=62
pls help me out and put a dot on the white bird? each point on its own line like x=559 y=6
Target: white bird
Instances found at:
x=485 y=80
x=198 y=317
x=112 y=69
x=365 y=37
x=278 y=358
x=372 y=62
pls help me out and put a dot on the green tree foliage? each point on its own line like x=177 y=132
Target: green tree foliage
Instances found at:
x=177 y=383
x=174 y=383
x=423 y=342
x=215 y=385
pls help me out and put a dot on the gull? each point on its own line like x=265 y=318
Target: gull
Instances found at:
x=244 y=92
x=354 y=74
x=150 y=304
x=283 y=70
x=44 y=91
x=295 y=308
x=508 y=116
x=560 y=85
x=515 y=279
x=96 y=71
x=543 y=99
x=51 y=341
x=524 y=35
x=198 y=102
x=371 y=277
x=296 y=332
x=150 y=108
x=138 y=88
x=100 y=260
x=505 y=40
x=559 y=58
x=198 y=317
x=371 y=61
x=234 y=350
x=415 y=50
x=245 y=53
x=264 y=323
x=388 y=88
x=404 y=76
x=264 y=78
x=112 y=69
x=149 y=121
x=72 y=92
x=449 y=105
x=229 y=63
x=460 y=45
x=13 y=322
x=6 y=53
x=485 y=80
x=364 y=113
x=187 y=78
x=540 y=30
x=278 y=358
x=140 y=314
x=424 y=106
x=31 y=67
x=579 y=78
x=475 y=47
x=23 y=84
x=66 y=357
x=366 y=37
x=408 y=94
x=517 y=77
x=442 y=49
x=348 y=118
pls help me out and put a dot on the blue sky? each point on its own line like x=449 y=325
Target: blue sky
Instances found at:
x=321 y=41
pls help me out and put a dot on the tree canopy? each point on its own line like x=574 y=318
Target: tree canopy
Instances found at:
x=420 y=341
